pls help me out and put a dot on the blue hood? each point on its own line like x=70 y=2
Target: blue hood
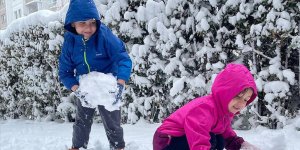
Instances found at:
x=81 y=10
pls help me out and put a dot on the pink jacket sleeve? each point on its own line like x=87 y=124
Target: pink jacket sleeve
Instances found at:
x=232 y=141
x=228 y=133
x=197 y=127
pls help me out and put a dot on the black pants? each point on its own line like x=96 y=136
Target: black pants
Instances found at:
x=83 y=122
x=180 y=143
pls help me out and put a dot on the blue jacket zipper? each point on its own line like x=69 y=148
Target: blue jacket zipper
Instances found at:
x=84 y=56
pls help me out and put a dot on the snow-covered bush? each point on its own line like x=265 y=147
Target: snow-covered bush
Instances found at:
x=186 y=43
x=29 y=66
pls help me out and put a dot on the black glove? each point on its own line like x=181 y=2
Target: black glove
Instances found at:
x=120 y=88
x=82 y=97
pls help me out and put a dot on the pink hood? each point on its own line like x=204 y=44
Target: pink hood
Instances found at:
x=210 y=113
x=229 y=83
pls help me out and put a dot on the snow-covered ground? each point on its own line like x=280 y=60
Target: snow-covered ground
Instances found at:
x=34 y=135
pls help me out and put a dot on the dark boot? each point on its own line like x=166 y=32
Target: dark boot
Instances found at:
x=112 y=148
x=73 y=149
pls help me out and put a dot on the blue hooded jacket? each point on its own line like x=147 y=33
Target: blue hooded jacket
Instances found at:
x=102 y=52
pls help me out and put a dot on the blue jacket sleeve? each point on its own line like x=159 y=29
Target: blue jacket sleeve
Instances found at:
x=117 y=51
x=66 y=67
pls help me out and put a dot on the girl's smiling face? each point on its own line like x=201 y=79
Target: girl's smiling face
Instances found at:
x=240 y=101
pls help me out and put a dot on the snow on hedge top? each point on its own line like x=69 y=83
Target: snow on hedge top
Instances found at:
x=42 y=17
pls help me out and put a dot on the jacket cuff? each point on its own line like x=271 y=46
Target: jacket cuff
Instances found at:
x=71 y=83
x=123 y=78
x=234 y=143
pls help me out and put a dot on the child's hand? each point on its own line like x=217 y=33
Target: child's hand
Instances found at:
x=120 y=88
x=247 y=146
x=82 y=97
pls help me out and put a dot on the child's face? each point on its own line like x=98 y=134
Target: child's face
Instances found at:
x=86 y=28
x=239 y=102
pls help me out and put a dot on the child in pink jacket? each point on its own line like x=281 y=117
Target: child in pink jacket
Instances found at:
x=205 y=122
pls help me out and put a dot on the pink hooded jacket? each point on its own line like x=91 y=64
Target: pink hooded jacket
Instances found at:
x=210 y=113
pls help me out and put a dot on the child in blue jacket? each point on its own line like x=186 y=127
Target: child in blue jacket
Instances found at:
x=89 y=46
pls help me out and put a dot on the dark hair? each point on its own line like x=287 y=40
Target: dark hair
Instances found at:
x=242 y=93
